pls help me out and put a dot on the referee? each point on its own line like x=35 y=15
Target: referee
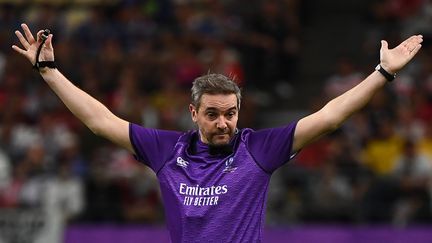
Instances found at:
x=214 y=180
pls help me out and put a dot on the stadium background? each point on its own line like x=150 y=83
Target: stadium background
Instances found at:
x=368 y=181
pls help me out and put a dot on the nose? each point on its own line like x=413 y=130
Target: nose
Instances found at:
x=221 y=123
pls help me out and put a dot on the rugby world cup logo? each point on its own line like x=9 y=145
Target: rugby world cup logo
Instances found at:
x=229 y=165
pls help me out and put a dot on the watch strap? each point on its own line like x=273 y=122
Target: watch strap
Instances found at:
x=41 y=64
x=48 y=64
x=387 y=75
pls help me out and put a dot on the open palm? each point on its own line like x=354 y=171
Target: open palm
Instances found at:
x=31 y=45
x=395 y=59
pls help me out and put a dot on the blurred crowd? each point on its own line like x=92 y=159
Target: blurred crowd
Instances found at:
x=140 y=57
x=377 y=168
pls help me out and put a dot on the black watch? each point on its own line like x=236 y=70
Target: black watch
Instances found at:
x=387 y=75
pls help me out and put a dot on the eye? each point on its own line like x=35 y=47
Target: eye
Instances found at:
x=231 y=114
x=211 y=115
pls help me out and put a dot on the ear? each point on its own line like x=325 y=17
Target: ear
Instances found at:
x=193 y=112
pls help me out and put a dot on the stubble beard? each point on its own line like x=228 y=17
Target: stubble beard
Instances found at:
x=215 y=143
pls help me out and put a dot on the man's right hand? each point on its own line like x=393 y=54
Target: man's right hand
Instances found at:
x=31 y=45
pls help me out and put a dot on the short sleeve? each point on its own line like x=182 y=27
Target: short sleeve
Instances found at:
x=152 y=146
x=272 y=148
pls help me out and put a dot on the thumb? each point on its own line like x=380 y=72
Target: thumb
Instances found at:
x=384 y=45
x=48 y=42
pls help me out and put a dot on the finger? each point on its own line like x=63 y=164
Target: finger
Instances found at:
x=19 y=50
x=21 y=38
x=415 y=50
x=39 y=35
x=48 y=42
x=384 y=45
x=419 y=38
x=28 y=33
x=413 y=43
x=407 y=41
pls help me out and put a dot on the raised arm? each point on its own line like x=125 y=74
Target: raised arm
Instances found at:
x=335 y=112
x=91 y=112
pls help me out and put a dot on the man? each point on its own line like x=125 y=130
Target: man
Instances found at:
x=214 y=180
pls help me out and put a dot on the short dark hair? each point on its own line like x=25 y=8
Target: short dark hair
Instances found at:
x=213 y=83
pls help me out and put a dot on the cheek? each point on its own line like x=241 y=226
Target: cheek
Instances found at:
x=204 y=125
x=233 y=123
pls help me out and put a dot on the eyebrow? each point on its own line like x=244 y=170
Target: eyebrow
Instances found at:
x=215 y=109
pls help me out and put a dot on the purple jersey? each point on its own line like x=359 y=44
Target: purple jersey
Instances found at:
x=214 y=198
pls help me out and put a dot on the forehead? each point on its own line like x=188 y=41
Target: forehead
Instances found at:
x=218 y=101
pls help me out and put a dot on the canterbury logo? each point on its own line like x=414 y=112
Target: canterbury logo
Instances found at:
x=181 y=162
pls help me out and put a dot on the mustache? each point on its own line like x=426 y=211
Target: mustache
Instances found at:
x=227 y=132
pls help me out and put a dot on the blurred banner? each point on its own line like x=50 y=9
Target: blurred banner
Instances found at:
x=301 y=234
x=21 y=225
x=30 y=226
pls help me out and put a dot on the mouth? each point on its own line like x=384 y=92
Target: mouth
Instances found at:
x=218 y=138
x=222 y=135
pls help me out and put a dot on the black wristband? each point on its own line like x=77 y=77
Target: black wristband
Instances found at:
x=387 y=75
x=48 y=64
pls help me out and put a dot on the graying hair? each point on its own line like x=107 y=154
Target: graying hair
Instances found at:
x=213 y=84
